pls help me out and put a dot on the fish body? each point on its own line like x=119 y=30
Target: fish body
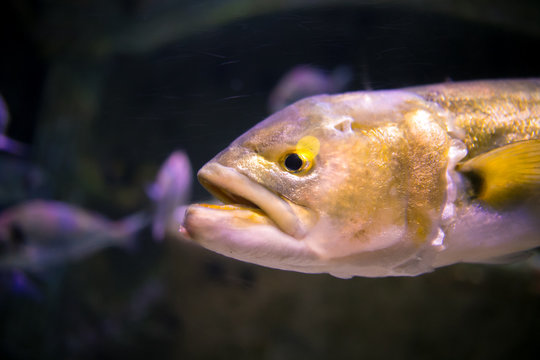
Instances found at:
x=38 y=234
x=381 y=183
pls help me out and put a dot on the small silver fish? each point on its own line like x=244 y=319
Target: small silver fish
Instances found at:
x=38 y=234
x=171 y=190
x=306 y=80
x=381 y=183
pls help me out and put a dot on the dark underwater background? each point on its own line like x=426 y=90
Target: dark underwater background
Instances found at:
x=103 y=91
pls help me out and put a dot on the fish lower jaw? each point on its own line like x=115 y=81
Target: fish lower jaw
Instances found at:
x=247 y=235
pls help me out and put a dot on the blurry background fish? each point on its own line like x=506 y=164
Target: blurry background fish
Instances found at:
x=171 y=189
x=7 y=144
x=39 y=234
x=39 y=239
x=306 y=80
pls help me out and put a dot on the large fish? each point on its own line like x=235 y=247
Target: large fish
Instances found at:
x=380 y=183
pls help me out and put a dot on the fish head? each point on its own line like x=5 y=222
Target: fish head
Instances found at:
x=323 y=186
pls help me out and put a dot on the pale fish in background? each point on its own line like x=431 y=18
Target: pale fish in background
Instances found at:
x=7 y=144
x=38 y=234
x=306 y=80
x=170 y=191
x=381 y=183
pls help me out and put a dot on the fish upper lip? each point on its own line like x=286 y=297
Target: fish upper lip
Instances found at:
x=232 y=187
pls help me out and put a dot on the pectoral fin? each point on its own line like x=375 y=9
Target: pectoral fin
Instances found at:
x=507 y=175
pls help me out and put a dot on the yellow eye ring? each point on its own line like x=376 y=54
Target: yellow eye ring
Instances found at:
x=296 y=162
x=301 y=160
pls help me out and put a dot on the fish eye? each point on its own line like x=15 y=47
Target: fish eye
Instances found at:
x=301 y=159
x=293 y=162
x=296 y=162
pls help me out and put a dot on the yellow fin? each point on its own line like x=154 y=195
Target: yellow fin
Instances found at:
x=507 y=175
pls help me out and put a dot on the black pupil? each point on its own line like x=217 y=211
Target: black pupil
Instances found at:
x=293 y=162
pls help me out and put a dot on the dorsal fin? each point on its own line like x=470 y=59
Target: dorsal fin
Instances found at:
x=506 y=175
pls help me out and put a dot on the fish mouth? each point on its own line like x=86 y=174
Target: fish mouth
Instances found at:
x=236 y=190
